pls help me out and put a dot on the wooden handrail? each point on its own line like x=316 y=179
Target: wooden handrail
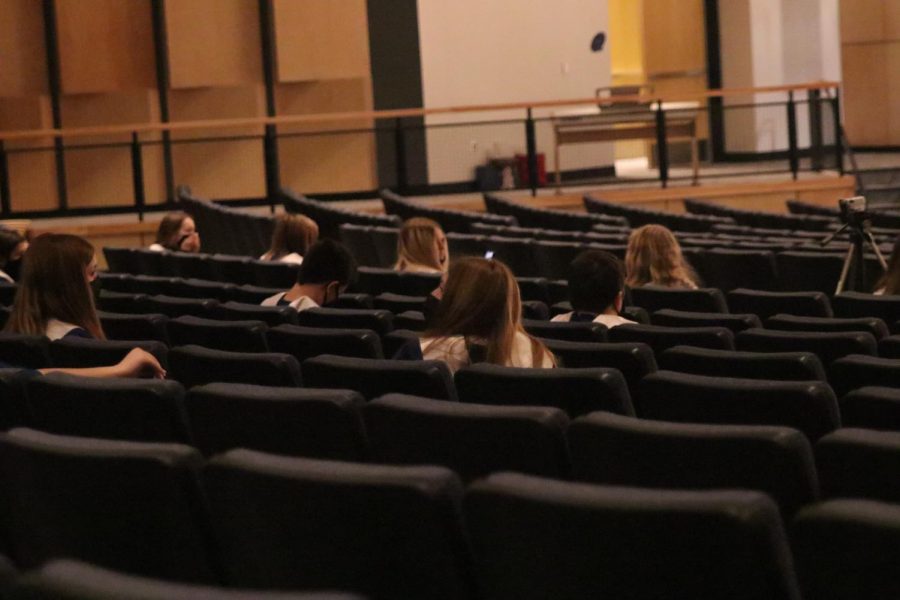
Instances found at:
x=396 y=113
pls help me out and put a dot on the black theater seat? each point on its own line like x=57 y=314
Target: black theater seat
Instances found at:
x=235 y=336
x=783 y=366
x=471 y=439
x=765 y=304
x=384 y=531
x=872 y=407
x=809 y=406
x=616 y=450
x=194 y=365
x=653 y=298
x=859 y=463
x=373 y=377
x=577 y=540
x=576 y=391
x=660 y=338
x=679 y=318
x=873 y=325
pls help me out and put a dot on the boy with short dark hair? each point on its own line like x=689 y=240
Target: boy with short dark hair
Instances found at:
x=327 y=269
x=596 y=289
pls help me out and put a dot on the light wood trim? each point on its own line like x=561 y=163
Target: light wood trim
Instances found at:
x=393 y=114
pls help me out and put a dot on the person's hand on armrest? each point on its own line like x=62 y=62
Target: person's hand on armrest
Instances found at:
x=137 y=363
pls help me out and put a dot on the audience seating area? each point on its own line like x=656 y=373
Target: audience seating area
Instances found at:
x=741 y=441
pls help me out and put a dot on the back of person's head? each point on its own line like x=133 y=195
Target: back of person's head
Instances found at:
x=10 y=239
x=421 y=242
x=595 y=278
x=292 y=233
x=890 y=281
x=481 y=301
x=55 y=285
x=169 y=234
x=654 y=256
x=326 y=262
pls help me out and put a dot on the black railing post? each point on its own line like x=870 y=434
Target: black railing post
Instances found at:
x=838 y=131
x=270 y=141
x=137 y=175
x=531 y=147
x=793 y=157
x=5 y=196
x=55 y=88
x=161 y=52
x=400 y=151
x=662 y=144
x=814 y=97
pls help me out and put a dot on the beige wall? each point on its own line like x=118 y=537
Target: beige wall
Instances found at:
x=477 y=51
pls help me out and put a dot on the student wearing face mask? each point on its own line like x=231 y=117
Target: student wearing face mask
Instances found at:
x=12 y=248
x=327 y=269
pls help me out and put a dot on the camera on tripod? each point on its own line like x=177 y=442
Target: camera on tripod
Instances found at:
x=853 y=211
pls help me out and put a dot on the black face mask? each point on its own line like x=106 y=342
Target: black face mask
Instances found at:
x=13 y=268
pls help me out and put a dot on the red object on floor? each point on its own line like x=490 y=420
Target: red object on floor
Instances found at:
x=522 y=163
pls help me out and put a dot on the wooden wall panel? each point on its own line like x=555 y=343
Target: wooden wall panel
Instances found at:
x=862 y=20
x=321 y=39
x=32 y=175
x=103 y=176
x=23 y=70
x=219 y=169
x=329 y=162
x=213 y=43
x=105 y=45
x=674 y=38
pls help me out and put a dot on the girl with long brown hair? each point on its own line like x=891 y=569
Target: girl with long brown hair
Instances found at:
x=12 y=247
x=422 y=247
x=292 y=238
x=177 y=232
x=54 y=297
x=654 y=257
x=889 y=284
x=481 y=313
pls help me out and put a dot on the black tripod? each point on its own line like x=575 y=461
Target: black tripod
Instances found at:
x=853 y=273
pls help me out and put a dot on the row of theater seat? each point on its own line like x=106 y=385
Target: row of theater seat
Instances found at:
x=256 y=520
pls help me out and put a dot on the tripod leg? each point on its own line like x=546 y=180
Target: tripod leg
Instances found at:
x=845 y=270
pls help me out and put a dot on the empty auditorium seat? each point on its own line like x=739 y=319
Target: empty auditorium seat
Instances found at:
x=471 y=439
x=545 y=218
x=535 y=311
x=186 y=264
x=384 y=531
x=73 y=580
x=782 y=366
x=845 y=549
x=534 y=288
x=120 y=326
x=251 y=294
x=632 y=359
x=14 y=408
x=616 y=450
x=194 y=365
x=553 y=258
x=120 y=260
x=577 y=331
x=766 y=304
x=653 y=298
x=274 y=274
x=809 y=406
x=857 y=304
x=856 y=371
x=121 y=302
x=270 y=315
x=398 y=303
x=807 y=271
x=373 y=377
x=143 y=284
x=456 y=221
x=141 y=410
x=75 y=352
x=515 y=253
x=659 y=338
x=123 y=505
x=538 y=538
x=889 y=347
x=730 y=268
x=306 y=342
x=410 y=320
x=236 y=336
x=872 y=325
x=236 y=269
x=576 y=391
x=379 y=321
x=176 y=307
x=22 y=350
x=290 y=421
x=329 y=216
x=872 y=407
x=828 y=346
x=859 y=463
x=680 y=318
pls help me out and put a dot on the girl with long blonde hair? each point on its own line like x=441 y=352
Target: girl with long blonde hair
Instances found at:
x=292 y=238
x=54 y=297
x=654 y=257
x=422 y=247
x=481 y=313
